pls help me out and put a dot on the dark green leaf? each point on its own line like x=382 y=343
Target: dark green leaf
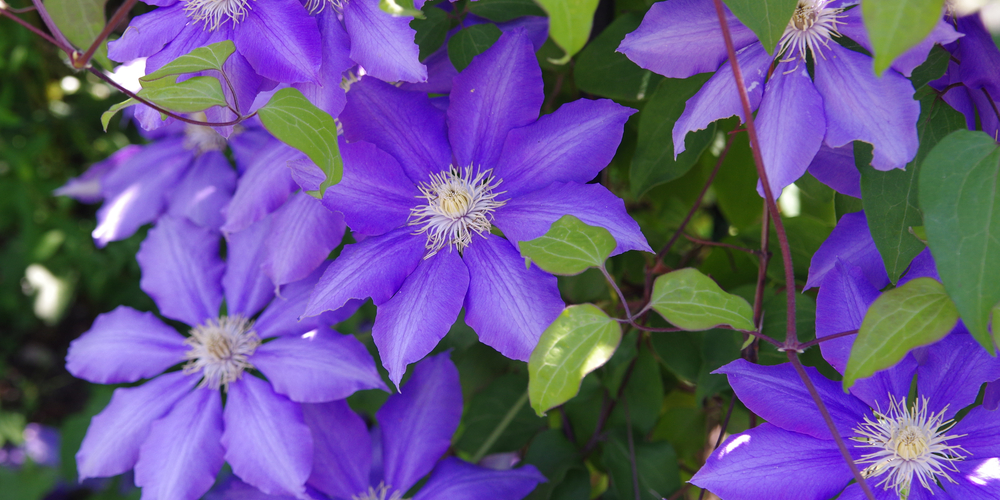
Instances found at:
x=656 y=467
x=916 y=314
x=470 y=42
x=201 y=59
x=294 y=120
x=190 y=96
x=932 y=69
x=501 y=11
x=603 y=71
x=767 y=18
x=569 y=247
x=489 y=407
x=432 y=30
x=960 y=196
x=895 y=26
x=736 y=185
x=81 y=21
x=644 y=393
x=692 y=301
x=569 y=24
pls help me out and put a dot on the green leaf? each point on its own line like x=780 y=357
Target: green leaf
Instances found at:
x=569 y=24
x=113 y=110
x=294 y=120
x=653 y=162
x=432 y=31
x=501 y=11
x=486 y=411
x=766 y=18
x=736 y=186
x=916 y=314
x=692 y=301
x=579 y=341
x=895 y=26
x=603 y=71
x=192 y=95
x=81 y=21
x=201 y=59
x=569 y=247
x=932 y=68
x=890 y=198
x=400 y=8
x=655 y=467
x=470 y=42
x=960 y=196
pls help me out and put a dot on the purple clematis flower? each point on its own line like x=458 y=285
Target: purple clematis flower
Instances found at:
x=174 y=429
x=798 y=114
x=424 y=188
x=972 y=82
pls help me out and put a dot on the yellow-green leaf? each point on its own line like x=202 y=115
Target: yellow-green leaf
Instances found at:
x=895 y=26
x=570 y=22
x=201 y=59
x=81 y=21
x=692 y=301
x=569 y=247
x=192 y=95
x=113 y=110
x=294 y=120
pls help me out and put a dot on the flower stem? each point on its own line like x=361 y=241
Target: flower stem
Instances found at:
x=502 y=426
x=82 y=61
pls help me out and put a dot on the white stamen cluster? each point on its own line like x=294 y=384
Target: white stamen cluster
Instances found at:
x=201 y=139
x=221 y=350
x=216 y=12
x=907 y=443
x=317 y=6
x=381 y=492
x=810 y=28
x=457 y=205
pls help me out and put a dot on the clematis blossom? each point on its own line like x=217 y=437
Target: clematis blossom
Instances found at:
x=972 y=82
x=174 y=429
x=424 y=188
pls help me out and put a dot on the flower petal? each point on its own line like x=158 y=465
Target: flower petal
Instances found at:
x=182 y=455
x=267 y=443
x=181 y=270
x=981 y=433
x=263 y=188
x=247 y=289
x=282 y=315
x=280 y=40
x=148 y=33
x=507 y=305
x=410 y=324
x=943 y=33
x=204 y=191
x=979 y=479
x=852 y=242
x=455 y=479
x=841 y=305
x=326 y=93
x=115 y=435
x=124 y=346
x=343 y=455
x=835 y=168
x=383 y=44
x=303 y=233
x=952 y=370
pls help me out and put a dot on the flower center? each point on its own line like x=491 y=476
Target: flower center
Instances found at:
x=810 y=28
x=221 y=349
x=378 y=493
x=457 y=205
x=201 y=139
x=908 y=442
x=216 y=12
x=317 y=6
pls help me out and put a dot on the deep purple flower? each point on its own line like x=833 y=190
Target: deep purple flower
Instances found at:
x=173 y=430
x=972 y=81
x=798 y=114
x=424 y=187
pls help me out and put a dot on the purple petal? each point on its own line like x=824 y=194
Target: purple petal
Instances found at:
x=841 y=304
x=952 y=370
x=124 y=346
x=182 y=454
x=978 y=45
x=343 y=454
x=326 y=93
x=682 y=38
x=943 y=34
x=790 y=124
x=303 y=233
x=181 y=270
x=247 y=289
x=204 y=191
x=922 y=266
x=390 y=118
x=454 y=479
x=305 y=173
x=86 y=188
x=835 y=168
x=774 y=457
x=507 y=305
x=280 y=40
x=282 y=315
x=191 y=37
x=263 y=188
x=853 y=26
x=382 y=43
x=718 y=97
x=410 y=324
x=417 y=424
x=267 y=443
x=854 y=492
x=375 y=267
x=500 y=90
x=440 y=73
x=319 y=367
x=375 y=195
x=860 y=106
x=851 y=242
x=148 y=33
x=975 y=479
x=530 y=216
x=112 y=443
x=573 y=144
x=982 y=433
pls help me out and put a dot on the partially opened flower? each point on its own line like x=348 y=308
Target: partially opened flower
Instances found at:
x=972 y=82
x=425 y=187
x=843 y=101
x=174 y=429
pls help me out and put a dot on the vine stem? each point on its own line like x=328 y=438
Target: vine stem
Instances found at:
x=63 y=43
x=502 y=426
x=116 y=19
x=817 y=341
x=722 y=433
x=29 y=27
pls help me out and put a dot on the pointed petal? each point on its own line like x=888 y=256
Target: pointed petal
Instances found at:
x=850 y=241
x=860 y=106
x=507 y=305
x=112 y=443
x=530 y=216
x=148 y=33
x=772 y=456
x=418 y=423
x=943 y=33
x=204 y=191
x=124 y=346
x=343 y=453
x=86 y=188
x=682 y=38
x=982 y=434
x=375 y=267
x=383 y=44
x=303 y=233
x=841 y=305
x=835 y=168
x=922 y=266
x=247 y=288
x=282 y=315
x=410 y=324
x=267 y=443
x=574 y=143
x=263 y=188
x=951 y=371
x=181 y=270
x=455 y=479
x=182 y=454
x=978 y=45
x=316 y=368
x=500 y=90
x=326 y=93
x=280 y=40
x=790 y=124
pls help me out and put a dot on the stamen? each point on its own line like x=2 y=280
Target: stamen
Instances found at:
x=457 y=205
x=316 y=6
x=381 y=492
x=221 y=349
x=215 y=12
x=200 y=138
x=810 y=29
x=908 y=442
